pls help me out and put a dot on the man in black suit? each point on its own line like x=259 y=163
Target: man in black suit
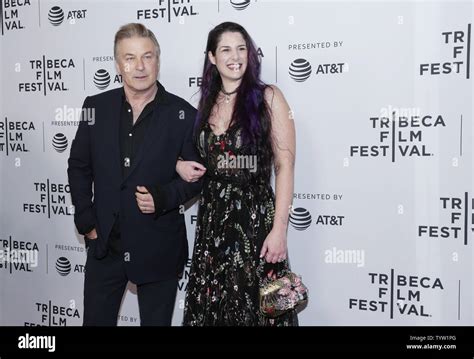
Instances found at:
x=127 y=195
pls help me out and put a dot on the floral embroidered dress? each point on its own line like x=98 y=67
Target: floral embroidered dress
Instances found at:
x=235 y=215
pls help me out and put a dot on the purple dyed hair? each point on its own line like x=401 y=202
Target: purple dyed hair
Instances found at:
x=250 y=111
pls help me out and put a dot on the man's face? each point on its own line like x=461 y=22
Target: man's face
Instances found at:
x=138 y=63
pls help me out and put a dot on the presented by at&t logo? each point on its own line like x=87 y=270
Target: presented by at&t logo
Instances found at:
x=398 y=294
x=64 y=267
x=60 y=142
x=300 y=69
x=300 y=219
x=56 y=15
x=104 y=72
x=240 y=4
x=124 y=319
x=102 y=79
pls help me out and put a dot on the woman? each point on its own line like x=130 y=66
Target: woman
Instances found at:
x=243 y=129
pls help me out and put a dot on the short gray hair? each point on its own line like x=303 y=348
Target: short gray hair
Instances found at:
x=135 y=29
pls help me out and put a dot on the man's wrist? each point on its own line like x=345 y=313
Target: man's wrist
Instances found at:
x=92 y=234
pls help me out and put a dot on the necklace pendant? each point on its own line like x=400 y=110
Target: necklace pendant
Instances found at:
x=227 y=99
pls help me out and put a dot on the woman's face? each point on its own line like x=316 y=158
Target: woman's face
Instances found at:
x=231 y=56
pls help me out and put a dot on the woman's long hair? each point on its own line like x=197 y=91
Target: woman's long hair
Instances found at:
x=250 y=111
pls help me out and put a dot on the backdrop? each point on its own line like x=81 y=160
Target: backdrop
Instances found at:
x=381 y=93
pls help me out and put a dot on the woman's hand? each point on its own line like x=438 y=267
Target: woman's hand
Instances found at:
x=274 y=247
x=190 y=171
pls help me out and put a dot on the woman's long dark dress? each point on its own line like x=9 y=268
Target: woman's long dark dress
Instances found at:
x=235 y=215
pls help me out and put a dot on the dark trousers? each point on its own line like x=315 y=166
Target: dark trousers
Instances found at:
x=104 y=285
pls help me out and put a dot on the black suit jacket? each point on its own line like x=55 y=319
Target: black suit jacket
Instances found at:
x=155 y=245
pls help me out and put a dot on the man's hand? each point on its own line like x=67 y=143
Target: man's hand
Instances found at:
x=92 y=234
x=145 y=200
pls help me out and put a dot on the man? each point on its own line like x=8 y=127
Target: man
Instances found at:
x=133 y=226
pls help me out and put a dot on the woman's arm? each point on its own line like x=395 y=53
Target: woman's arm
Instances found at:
x=283 y=142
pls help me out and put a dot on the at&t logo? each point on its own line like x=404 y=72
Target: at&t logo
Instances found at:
x=300 y=69
x=240 y=4
x=63 y=266
x=60 y=142
x=300 y=218
x=102 y=79
x=56 y=15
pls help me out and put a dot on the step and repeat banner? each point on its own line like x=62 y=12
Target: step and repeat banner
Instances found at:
x=382 y=97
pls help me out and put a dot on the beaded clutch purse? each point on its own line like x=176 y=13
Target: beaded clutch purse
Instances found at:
x=280 y=295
